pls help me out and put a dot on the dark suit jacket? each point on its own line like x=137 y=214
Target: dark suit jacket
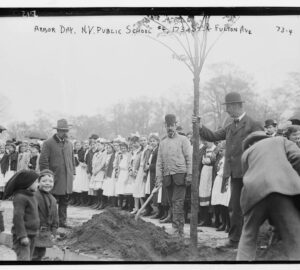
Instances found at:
x=234 y=136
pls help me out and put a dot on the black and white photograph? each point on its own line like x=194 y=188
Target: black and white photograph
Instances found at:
x=149 y=134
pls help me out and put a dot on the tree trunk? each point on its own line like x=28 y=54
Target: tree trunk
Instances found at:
x=195 y=171
x=195 y=179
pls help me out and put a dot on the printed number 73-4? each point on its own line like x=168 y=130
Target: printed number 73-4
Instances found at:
x=282 y=29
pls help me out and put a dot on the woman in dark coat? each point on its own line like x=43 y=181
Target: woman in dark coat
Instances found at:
x=47 y=214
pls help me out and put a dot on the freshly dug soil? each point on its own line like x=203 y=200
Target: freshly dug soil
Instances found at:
x=116 y=233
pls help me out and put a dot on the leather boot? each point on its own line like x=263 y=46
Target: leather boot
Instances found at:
x=103 y=203
x=221 y=228
x=158 y=214
x=95 y=202
x=164 y=213
x=168 y=219
x=99 y=199
x=120 y=199
x=71 y=201
x=77 y=199
x=89 y=200
x=115 y=201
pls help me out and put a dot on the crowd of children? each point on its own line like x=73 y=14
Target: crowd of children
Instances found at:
x=121 y=173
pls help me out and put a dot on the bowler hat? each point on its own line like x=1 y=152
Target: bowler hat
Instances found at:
x=233 y=97
x=170 y=119
x=254 y=137
x=62 y=124
x=295 y=119
x=2 y=128
x=94 y=137
x=21 y=180
x=270 y=122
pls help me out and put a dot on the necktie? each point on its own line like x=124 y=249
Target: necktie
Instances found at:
x=236 y=121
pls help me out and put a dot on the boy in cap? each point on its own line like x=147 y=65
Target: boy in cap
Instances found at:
x=25 y=215
x=47 y=214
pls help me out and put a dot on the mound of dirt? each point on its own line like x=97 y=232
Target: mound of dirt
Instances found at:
x=118 y=234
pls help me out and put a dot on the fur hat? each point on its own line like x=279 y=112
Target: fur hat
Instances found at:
x=170 y=119
x=21 y=180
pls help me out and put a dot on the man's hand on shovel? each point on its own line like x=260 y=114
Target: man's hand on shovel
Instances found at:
x=156 y=188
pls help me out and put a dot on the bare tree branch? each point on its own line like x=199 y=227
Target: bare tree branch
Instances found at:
x=189 y=67
x=187 y=40
x=178 y=40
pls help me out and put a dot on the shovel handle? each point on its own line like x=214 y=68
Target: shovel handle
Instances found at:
x=146 y=202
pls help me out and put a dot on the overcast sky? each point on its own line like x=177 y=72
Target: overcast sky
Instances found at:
x=84 y=74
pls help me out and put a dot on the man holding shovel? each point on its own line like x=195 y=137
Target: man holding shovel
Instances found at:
x=174 y=170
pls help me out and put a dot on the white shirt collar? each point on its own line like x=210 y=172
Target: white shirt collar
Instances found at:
x=241 y=117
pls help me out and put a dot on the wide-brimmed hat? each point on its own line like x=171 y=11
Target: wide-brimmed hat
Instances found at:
x=254 y=137
x=21 y=180
x=270 y=122
x=233 y=97
x=62 y=124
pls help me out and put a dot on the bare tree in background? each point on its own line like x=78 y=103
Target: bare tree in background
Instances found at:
x=190 y=34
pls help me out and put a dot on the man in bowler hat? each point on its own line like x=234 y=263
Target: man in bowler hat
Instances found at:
x=57 y=155
x=174 y=170
x=271 y=127
x=234 y=134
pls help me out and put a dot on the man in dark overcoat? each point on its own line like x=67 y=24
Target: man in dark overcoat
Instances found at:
x=234 y=134
x=57 y=155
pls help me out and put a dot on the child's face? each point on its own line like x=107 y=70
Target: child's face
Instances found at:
x=77 y=146
x=123 y=149
x=143 y=141
x=46 y=183
x=2 y=149
x=136 y=144
x=11 y=149
x=153 y=142
x=34 y=186
x=34 y=151
x=116 y=147
x=109 y=149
